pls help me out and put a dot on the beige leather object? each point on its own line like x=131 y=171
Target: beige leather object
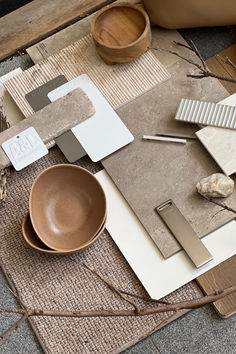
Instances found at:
x=191 y=13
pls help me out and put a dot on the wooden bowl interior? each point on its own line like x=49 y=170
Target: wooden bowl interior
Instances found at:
x=119 y=26
x=67 y=207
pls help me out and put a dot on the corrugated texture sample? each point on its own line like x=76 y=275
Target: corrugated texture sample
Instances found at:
x=51 y=282
x=119 y=83
x=206 y=113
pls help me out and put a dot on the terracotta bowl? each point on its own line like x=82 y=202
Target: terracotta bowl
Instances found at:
x=32 y=239
x=121 y=32
x=67 y=207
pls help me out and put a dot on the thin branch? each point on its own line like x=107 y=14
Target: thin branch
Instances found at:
x=14 y=327
x=196 y=51
x=3 y=172
x=183 y=45
x=219 y=211
x=227 y=60
x=215 y=76
x=203 y=70
x=184 y=305
x=145 y=298
x=22 y=319
x=114 y=288
x=190 y=61
x=222 y=205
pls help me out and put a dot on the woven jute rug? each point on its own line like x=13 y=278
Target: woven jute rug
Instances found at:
x=64 y=283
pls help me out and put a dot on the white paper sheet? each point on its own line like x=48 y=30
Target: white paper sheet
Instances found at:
x=159 y=276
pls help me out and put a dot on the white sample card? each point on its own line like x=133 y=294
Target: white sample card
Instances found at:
x=24 y=148
x=103 y=133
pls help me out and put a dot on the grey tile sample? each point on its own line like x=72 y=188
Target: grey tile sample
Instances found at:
x=38 y=98
x=149 y=172
x=70 y=146
x=53 y=120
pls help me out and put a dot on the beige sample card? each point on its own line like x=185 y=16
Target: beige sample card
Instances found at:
x=151 y=172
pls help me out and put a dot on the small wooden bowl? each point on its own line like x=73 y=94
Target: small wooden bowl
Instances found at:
x=121 y=32
x=32 y=239
x=67 y=207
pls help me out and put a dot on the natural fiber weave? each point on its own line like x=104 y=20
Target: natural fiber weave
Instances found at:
x=50 y=282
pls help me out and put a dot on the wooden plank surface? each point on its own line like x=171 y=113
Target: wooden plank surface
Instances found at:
x=38 y=19
x=218 y=65
x=219 y=278
x=223 y=275
x=63 y=38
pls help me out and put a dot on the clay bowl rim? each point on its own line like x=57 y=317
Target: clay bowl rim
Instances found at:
x=121 y=4
x=30 y=202
x=52 y=251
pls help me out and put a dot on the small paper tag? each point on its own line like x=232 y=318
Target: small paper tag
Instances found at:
x=24 y=148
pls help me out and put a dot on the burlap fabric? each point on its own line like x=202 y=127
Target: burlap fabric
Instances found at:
x=52 y=282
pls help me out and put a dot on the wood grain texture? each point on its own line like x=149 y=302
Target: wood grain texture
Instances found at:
x=224 y=274
x=119 y=84
x=218 y=65
x=38 y=19
x=121 y=32
x=219 y=278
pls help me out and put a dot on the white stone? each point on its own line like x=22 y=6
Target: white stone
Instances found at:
x=216 y=185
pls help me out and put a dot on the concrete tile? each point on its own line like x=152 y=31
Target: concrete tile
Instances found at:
x=199 y=331
x=146 y=346
x=22 y=61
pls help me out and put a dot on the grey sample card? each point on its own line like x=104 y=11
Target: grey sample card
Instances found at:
x=70 y=146
x=38 y=99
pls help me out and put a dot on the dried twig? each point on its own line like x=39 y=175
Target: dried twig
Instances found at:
x=203 y=70
x=227 y=60
x=137 y=311
x=144 y=298
x=184 y=305
x=14 y=327
x=122 y=293
x=222 y=205
x=3 y=172
x=114 y=288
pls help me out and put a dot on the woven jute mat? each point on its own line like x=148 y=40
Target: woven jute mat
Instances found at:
x=64 y=283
